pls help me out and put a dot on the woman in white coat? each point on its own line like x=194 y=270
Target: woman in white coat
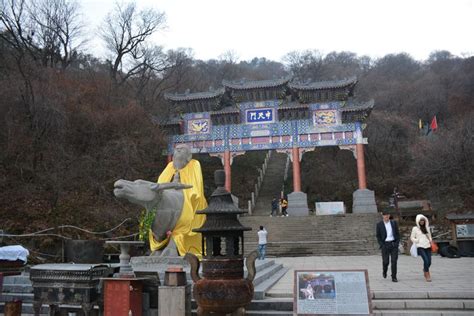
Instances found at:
x=421 y=237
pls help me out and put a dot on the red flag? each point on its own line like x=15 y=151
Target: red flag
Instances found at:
x=434 y=124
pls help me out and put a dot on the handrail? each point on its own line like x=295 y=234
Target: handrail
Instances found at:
x=67 y=226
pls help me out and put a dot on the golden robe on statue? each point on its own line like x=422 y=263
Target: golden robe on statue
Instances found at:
x=194 y=200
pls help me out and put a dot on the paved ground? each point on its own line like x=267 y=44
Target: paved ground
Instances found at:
x=449 y=275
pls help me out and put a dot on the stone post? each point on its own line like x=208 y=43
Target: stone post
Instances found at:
x=175 y=296
x=361 y=166
x=297 y=200
x=296 y=169
x=363 y=200
x=250 y=207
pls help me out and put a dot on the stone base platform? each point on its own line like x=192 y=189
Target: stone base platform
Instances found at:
x=297 y=204
x=363 y=201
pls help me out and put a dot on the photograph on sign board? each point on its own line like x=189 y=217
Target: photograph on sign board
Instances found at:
x=317 y=286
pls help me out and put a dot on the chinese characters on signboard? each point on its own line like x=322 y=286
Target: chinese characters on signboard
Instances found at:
x=260 y=116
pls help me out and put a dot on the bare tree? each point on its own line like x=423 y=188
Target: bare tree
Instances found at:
x=125 y=31
x=152 y=75
x=60 y=29
x=17 y=28
x=47 y=31
x=304 y=65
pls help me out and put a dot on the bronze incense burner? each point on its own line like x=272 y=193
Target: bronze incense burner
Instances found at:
x=222 y=289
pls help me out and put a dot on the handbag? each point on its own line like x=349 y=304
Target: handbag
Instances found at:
x=434 y=247
x=413 y=251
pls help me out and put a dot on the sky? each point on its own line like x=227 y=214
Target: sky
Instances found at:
x=273 y=28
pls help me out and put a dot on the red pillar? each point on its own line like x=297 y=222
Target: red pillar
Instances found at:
x=295 y=152
x=228 y=179
x=361 y=166
x=170 y=158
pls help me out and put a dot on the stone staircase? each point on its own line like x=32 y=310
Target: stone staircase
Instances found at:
x=272 y=184
x=295 y=236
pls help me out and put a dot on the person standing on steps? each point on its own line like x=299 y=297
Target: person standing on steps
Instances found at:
x=274 y=207
x=388 y=237
x=284 y=206
x=262 y=243
x=421 y=237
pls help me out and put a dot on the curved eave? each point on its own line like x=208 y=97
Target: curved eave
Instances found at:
x=194 y=96
x=322 y=85
x=170 y=121
x=359 y=113
x=260 y=84
x=364 y=107
x=296 y=106
x=225 y=111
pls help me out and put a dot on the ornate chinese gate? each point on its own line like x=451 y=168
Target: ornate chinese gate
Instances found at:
x=281 y=115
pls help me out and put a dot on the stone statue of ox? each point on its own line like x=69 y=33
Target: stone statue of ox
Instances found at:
x=165 y=198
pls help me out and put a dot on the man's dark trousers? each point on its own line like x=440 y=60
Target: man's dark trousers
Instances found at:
x=390 y=251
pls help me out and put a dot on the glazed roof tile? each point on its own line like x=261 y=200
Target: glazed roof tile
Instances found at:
x=194 y=96
x=255 y=84
x=318 y=85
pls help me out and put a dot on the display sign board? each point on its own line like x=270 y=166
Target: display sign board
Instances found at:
x=331 y=292
x=329 y=208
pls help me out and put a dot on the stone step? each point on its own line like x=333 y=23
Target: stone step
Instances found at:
x=302 y=236
x=24 y=297
x=333 y=248
x=17 y=284
x=266 y=273
x=414 y=312
x=407 y=306
x=23 y=278
x=426 y=304
x=261 y=289
x=284 y=306
x=27 y=309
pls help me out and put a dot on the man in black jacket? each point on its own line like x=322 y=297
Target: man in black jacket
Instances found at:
x=388 y=238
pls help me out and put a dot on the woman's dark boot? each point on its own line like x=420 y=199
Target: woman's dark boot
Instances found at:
x=427 y=276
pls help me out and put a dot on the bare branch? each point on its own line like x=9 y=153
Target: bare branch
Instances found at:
x=125 y=31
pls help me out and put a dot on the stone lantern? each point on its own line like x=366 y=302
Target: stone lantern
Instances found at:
x=222 y=288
